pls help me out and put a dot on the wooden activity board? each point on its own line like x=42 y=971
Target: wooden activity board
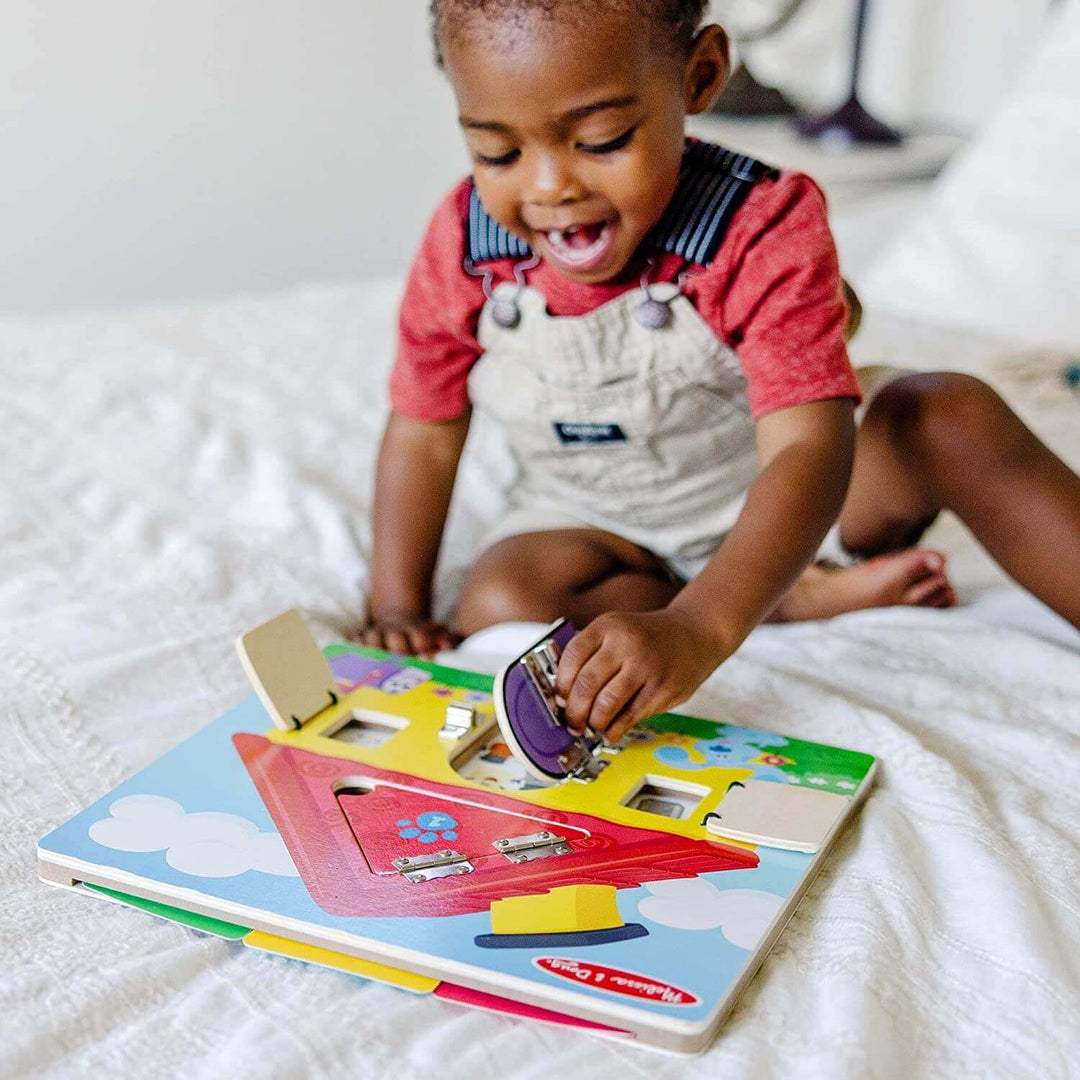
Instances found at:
x=368 y=816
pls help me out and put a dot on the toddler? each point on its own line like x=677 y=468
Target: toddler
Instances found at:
x=658 y=325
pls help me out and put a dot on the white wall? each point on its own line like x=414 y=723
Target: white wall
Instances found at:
x=164 y=149
x=173 y=148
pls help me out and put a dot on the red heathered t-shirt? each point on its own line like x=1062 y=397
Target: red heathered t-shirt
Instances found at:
x=772 y=292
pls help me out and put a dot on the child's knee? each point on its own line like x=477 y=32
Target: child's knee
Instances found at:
x=942 y=414
x=489 y=598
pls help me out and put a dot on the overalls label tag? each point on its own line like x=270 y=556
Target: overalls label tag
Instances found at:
x=589 y=433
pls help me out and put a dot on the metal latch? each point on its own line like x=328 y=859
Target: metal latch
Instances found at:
x=460 y=720
x=417 y=868
x=580 y=764
x=542 y=664
x=579 y=760
x=540 y=845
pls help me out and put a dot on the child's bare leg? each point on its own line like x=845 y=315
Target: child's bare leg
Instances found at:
x=572 y=573
x=947 y=441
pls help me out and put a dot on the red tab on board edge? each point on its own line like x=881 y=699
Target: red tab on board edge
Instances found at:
x=616 y=981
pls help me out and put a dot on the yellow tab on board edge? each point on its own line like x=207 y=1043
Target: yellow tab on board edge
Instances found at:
x=366 y=969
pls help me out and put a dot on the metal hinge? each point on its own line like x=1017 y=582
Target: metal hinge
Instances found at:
x=417 y=868
x=580 y=764
x=460 y=720
x=540 y=845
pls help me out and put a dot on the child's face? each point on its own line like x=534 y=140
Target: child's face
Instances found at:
x=576 y=133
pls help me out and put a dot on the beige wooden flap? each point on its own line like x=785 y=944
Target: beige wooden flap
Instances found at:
x=777 y=815
x=287 y=669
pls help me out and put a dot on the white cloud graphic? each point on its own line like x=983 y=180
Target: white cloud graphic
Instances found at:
x=205 y=844
x=742 y=915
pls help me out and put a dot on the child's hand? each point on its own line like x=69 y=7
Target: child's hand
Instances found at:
x=408 y=636
x=624 y=667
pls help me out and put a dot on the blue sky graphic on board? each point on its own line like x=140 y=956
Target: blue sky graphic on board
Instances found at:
x=194 y=820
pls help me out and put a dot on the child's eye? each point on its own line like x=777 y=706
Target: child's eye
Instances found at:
x=611 y=146
x=502 y=159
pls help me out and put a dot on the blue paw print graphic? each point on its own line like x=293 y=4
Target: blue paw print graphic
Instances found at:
x=429 y=828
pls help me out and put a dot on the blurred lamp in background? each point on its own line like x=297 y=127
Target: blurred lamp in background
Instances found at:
x=851 y=123
x=751 y=21
x=748 y=22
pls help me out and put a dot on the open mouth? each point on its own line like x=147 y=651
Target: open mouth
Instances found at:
x=581 y=247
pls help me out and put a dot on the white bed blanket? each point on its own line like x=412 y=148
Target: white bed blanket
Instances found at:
x=170 y=478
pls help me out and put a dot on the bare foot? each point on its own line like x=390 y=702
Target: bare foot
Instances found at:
x=914 y=578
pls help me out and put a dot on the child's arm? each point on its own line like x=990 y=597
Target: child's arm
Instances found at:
x=414 y=479
x=624 y=667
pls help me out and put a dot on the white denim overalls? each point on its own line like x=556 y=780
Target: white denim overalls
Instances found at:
x=645 y=433
x=640 y=430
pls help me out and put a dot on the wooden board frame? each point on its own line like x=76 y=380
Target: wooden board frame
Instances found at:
x=60 y=864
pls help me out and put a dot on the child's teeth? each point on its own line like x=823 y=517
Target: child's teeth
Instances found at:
x=578 y=242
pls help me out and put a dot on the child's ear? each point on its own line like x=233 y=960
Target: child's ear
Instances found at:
x=707 y=69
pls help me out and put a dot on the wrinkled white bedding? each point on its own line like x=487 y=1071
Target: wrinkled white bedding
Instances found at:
x=170 y=478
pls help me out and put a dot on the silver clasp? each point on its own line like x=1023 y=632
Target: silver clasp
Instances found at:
x=460 y=720
x=542 y=664
x=505 y=312
x=418 y=868
x=540 y=845
x=579 y=759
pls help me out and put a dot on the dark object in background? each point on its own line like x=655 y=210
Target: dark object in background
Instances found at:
x=744 y=96
x=851 y=124
x=749 y=21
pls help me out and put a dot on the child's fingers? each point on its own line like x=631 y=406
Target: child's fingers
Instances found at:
x=634 y=711
x=591 y=678
x=649 y=700
x=419 y=640
x=426 y=641
x=613 y=698
x=396 y=642
x=574 y=657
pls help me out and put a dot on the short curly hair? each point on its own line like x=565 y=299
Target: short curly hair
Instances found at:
x=676 y=21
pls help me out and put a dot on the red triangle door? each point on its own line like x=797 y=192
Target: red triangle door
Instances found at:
x=392 y=821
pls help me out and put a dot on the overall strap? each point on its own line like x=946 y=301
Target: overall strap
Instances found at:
x=486 y=240
x=713 y=184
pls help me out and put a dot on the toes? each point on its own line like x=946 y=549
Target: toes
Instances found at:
x=922 y=591
x=934 y=561
x=900 y=570
x=941 y=597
